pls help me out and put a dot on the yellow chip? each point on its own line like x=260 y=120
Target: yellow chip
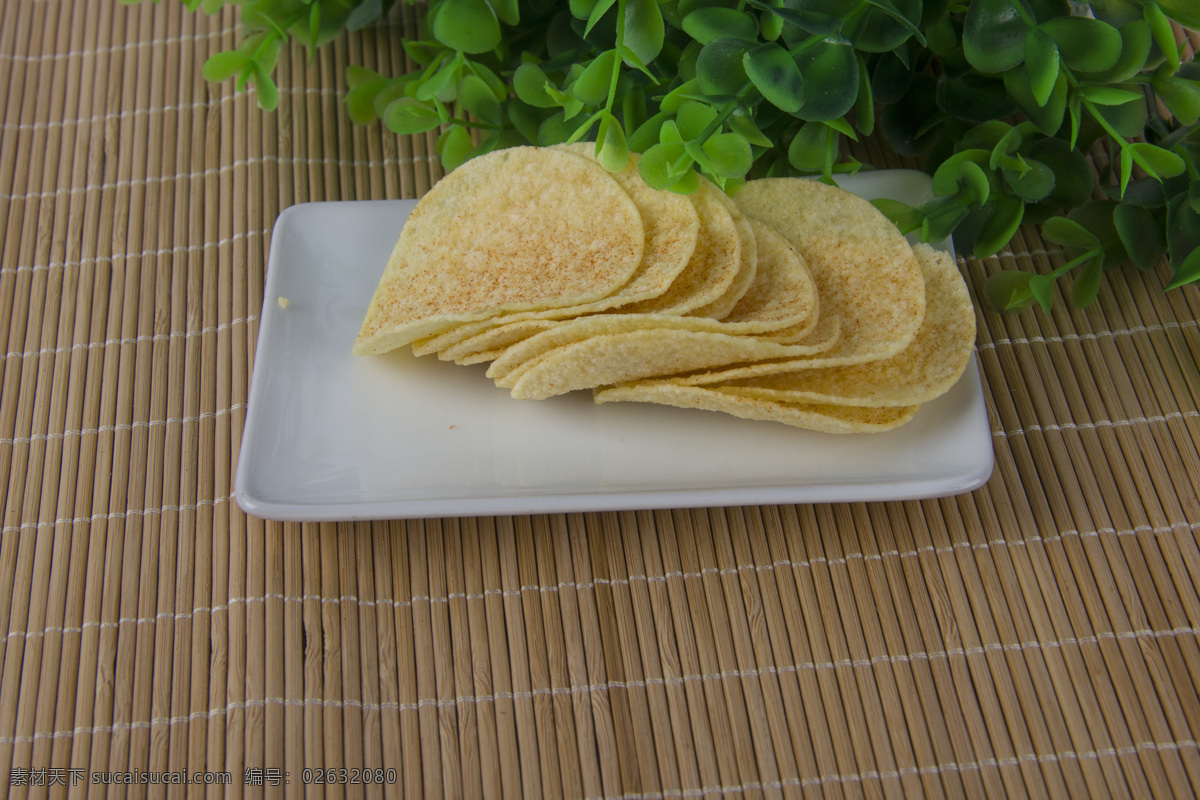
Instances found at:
x=713 y=267
x=824 y=417
x=671 y=225
x=864 y=269
x=927 y=368
x=747 y=268
x=517 y=229
x=642 y=352
x=781 y=300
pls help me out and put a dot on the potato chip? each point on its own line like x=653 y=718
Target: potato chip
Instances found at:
x=747 y=268
x=715 y=263
x=782 y=298
x=863 y=267
x=671 y=225
x=641 y=352
x=926 y=369
x=824 y=417
x=517 y=229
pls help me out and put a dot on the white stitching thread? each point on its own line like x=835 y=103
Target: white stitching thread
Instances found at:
x=1085 y=337
x=1104 y=423
x=202 y=105
x=151 y=338
x=124 y=427
x=1058 y=251
x=384 y=24
x=133 y=512
x=162 y=251
x=951 y=766
x=240 y=163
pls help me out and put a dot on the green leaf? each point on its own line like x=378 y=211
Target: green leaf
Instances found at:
x=441 y=78
x=597 y=13
x=1069 y=233
x=1135 y=49
x=582 y=9
x=508 y=11
x=947 y=177
x=710 y=24
x=687 y=183
x=905 y=217
x=1184 y=12
x=657 y=164
x=1163 y=33
x=613 y=149
x=264 y=88
x=830 y=70
x=994 y=35
x=729 y=155
x=1141 y=235
x=688 y=90
x=477 y=98
x=974 y=183
x=647 y=134
x=644 y=29
x=1085 y=44
x=222 y=66
x=467 y=25
x=454 y=146
x=669 y=133
x=408 y=116
x=593 y=84
x=1181 y=96
x=1127 y=119
x=1109 y=95
x=1087 y=283
x=1008 y=290
x=1035 y=184
x=771 y=25
x=554 y=129
x=742 y=123
x=1048 y=116
x=1041 y=64
x=937 y=227
x=719 y=67
x=1003 y=216
x=1186 y=271
x=864 y=104
x=884 y=26
x=808 y=147
x=529 y=83
x=693 y=118
x=360 y=76
x=775 y=74
x=360 y=101
x=1042 y=287
x=1157 y=162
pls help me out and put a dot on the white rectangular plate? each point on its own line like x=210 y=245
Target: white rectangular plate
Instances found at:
x=333 y=436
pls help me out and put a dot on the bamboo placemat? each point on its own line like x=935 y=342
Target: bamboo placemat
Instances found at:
x=1037 y=637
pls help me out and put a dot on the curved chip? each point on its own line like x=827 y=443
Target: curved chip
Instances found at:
x=864 y=269
x=926 y=369
x=517 y=229
x=824 y=417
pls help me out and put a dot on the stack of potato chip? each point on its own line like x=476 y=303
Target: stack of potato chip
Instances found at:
x=794 y=301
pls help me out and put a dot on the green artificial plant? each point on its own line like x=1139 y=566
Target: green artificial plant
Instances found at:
x=1023 y=111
